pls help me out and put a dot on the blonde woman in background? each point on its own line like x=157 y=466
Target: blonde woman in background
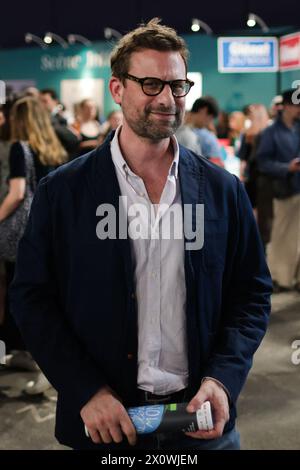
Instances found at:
x=87 y=126
x=30 y=124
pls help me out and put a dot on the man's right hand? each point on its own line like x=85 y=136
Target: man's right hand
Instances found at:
x=106 y=418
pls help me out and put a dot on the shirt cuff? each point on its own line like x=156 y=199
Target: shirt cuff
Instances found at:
x=221 y=385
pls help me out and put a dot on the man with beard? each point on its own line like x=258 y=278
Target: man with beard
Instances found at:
x=122 y=311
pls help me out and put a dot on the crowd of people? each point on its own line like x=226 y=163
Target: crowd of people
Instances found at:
x=36 y=122
x=266 y=141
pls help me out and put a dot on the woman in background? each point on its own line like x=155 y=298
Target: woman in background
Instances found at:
x=87 y=126
x=257 y=185
x=30 y=126
x=4 y=171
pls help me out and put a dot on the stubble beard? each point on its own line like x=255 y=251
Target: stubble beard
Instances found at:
x=147 y=127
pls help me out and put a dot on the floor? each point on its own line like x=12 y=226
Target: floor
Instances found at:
x=269 y=411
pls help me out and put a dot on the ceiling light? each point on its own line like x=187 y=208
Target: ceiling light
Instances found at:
x=72 y=38
x=110 y=33
x=56 y=38
x=29 y=37
x=198 y=24
x=195 y=26
x=48 y=39
x=253 y=19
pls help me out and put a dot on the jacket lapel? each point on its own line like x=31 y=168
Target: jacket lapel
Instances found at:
x=106 y=189
x=191 y=179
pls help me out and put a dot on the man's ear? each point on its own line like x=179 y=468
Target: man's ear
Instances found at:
x=116 y=89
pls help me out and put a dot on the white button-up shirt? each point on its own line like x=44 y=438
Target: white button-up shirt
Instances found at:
x=159 y=278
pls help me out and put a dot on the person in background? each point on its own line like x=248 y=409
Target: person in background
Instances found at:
x=113 y=120
x=222 y=126
x=2 y=117
x=88 y=126
x=4 y=147
x=236 y=124
x=30 y=124
x=187 y=137
x=4 y=172
x=257 y=185
x=31 y=91
x=258 y=119
x=202 y=115
x=276 y=107
x=68 y=138
x=278 y=155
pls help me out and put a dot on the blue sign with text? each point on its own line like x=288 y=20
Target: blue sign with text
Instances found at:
x=247 y=54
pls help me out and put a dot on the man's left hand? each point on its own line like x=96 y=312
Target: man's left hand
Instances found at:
x=215 y=394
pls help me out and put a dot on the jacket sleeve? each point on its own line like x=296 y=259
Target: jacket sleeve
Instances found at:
x=35 y=306
x=246 y=305
x=266 y=156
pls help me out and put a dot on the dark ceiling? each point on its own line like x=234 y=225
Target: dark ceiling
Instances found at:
x=89 y=17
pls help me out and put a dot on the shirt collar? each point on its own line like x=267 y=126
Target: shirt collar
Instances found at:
x=120 y=162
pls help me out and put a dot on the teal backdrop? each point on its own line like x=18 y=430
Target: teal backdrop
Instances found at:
x=48 y=67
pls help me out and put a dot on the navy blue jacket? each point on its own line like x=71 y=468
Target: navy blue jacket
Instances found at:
x=73 y=295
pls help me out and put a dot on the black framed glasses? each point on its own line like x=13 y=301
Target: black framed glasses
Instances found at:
x=152 y=86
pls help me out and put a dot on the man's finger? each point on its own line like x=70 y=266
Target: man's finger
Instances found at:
x=116 y=434
x=219 y=426
x=197 y=401
x=105 y=436
x=213 y=434
x=129 y=430
x=95 y=436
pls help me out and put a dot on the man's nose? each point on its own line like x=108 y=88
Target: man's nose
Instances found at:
x=166 y=96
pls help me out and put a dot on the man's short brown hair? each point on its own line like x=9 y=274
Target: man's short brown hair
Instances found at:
x=147 y=36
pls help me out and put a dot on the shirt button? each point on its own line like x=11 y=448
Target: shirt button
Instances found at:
x=129 y=356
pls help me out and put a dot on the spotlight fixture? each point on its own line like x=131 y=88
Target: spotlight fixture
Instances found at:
x=50 y=37
x=29 y=37
x=198 y=24
x=72 y=38
x=110 y=33
x=254 y=19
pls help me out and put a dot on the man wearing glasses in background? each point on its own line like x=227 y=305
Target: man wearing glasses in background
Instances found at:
x=128 y=321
